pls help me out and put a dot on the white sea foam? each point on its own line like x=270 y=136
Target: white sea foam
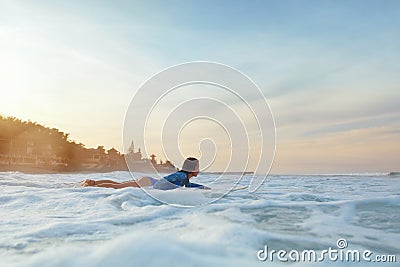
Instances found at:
x=48 y=220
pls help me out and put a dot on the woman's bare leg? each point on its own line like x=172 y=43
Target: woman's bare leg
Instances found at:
x=89 y=182
x=117 y=185
x=141 y=182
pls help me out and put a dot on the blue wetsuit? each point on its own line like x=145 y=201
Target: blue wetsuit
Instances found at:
x=175 y=180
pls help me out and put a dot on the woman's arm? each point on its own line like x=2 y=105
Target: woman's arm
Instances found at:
x=200 y=186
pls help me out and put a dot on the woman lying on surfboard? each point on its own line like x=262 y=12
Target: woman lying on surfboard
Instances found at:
x=180 y=178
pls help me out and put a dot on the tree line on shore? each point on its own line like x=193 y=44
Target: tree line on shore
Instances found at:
x=29 y=139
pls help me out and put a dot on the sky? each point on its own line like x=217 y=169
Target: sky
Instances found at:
x=329 y=70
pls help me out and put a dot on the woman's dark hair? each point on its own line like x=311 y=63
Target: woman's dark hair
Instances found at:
x=191 y=164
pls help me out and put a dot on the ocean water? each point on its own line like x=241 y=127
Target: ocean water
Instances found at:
x=47 y=220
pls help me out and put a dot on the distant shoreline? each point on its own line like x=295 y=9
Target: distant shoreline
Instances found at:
x=43 y=170
x=25 y=169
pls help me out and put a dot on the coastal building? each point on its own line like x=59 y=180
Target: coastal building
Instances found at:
x=136 y=162
x=28 y=152
x=95 y=155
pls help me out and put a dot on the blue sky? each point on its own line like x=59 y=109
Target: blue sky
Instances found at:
x=328 y=68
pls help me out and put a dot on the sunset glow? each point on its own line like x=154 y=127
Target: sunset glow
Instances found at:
x=328 y=69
